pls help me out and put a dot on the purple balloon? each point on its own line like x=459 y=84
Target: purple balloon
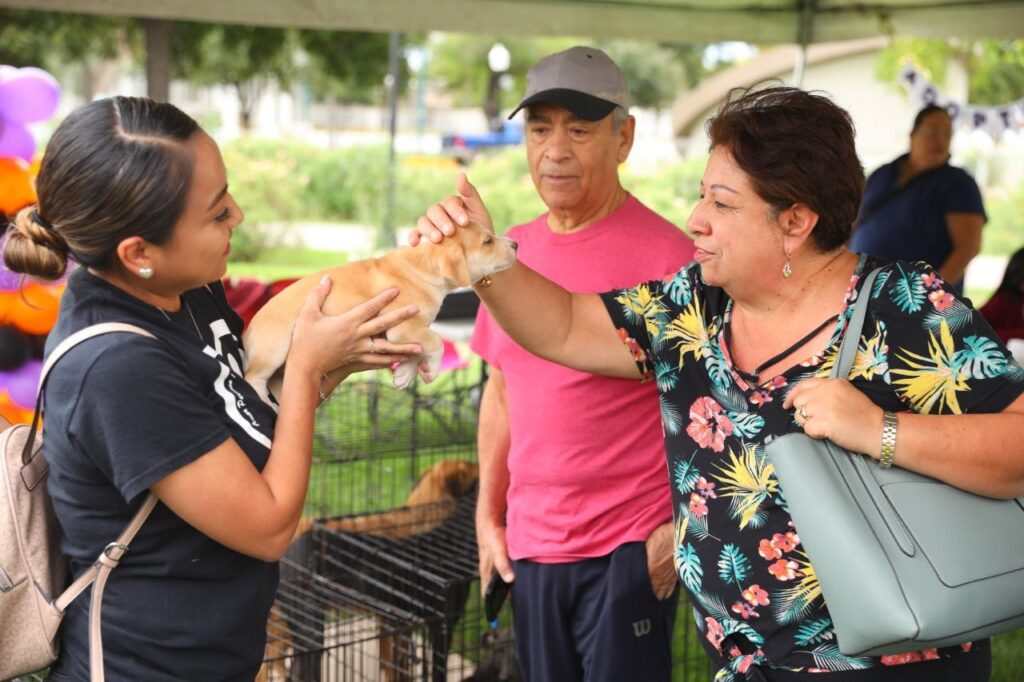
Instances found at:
x=28 y=95
x=16 y=141
x=9 y=281
x=22 y=383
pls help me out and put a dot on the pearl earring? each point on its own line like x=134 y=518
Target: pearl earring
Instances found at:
x=145 y=273
x=787 y=271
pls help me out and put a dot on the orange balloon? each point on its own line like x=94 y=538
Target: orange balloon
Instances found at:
x=33 y=310
x=33 y=168
x=16 y=190
x=13 y=412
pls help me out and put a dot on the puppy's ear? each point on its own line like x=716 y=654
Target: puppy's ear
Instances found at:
x=454 y=266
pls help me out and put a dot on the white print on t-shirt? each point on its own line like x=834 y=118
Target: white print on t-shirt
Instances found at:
x=220 y=330
x=234 y=401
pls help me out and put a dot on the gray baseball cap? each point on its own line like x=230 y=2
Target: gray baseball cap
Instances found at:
x=583 y=80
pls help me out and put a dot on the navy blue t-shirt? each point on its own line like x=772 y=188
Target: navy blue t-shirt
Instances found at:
x=123 y=411
x=911 y=225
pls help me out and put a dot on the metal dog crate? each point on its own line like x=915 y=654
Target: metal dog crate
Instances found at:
x=372 y=444
x=320 y=630
x=418 y=567
x=372 y=441
x=424 y=578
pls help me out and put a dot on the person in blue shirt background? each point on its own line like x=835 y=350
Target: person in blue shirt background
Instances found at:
x=918 y=207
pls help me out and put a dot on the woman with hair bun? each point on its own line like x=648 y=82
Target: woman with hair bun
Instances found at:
x=136 y=194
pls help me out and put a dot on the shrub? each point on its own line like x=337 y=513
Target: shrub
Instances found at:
x=503 y=179
x=267 y=178
x=1004 y=232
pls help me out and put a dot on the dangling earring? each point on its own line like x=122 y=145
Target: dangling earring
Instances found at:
x=787 y=271
x=145 y=272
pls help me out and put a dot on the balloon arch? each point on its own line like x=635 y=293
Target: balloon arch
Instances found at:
x=28 y=309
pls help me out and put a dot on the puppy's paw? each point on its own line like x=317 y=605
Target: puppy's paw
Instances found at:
x=405 y=374
x=430 y=367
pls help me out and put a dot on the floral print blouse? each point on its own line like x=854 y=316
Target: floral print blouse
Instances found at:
x=737 y=552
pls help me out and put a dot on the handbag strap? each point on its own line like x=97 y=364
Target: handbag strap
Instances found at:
x=851 y=337
x=111 y=555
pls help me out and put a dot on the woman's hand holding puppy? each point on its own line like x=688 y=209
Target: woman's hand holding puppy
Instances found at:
x=353 y=341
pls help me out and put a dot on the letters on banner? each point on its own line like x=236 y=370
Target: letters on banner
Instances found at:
x=994 y=120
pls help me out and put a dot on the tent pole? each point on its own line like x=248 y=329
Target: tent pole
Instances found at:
x=804 y=29
x=386 y=235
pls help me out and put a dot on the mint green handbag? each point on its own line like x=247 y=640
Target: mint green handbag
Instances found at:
x=905 y=562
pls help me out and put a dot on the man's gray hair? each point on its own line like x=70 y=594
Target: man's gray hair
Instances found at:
x=619 y=116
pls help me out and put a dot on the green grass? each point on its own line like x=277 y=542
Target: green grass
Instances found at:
x=1008 y=657
x=283 y=262
x=373 y=442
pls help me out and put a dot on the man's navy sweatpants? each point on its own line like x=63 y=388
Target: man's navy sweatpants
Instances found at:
x=595 y=620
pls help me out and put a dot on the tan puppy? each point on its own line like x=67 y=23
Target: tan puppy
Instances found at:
x=423 y=275
x=431 y=501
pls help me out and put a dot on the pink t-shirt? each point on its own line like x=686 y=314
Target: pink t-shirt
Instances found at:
x=587 y=462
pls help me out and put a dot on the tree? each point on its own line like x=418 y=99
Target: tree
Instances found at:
x=997 y=71
x=345 y=66
x=459 y=64
x=56 y=41
x=995 y=67
x=931 y=56
x=247 y=57
x=655 y=73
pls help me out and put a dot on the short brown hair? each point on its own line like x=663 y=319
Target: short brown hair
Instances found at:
x=115 y=168
x=796 y=147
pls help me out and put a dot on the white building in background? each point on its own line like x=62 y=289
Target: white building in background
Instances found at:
x=882 y=113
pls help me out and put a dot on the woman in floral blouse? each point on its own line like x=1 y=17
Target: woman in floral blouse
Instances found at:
x=741 y=342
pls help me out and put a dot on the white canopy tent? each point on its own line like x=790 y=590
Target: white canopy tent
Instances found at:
x=681 y=21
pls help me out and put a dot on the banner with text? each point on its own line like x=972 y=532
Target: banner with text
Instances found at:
x=995 y=120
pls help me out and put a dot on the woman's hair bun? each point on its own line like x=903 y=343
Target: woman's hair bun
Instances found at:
x=32 y=248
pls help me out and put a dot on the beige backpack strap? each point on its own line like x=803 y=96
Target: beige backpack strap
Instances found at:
x=112 y=553
x=60 y=351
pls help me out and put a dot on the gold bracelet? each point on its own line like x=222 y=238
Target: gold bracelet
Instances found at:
x=889 y=425
x=485 y=281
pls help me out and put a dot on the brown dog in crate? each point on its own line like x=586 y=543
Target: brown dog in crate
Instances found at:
x=424 y=275
x=430 y=503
